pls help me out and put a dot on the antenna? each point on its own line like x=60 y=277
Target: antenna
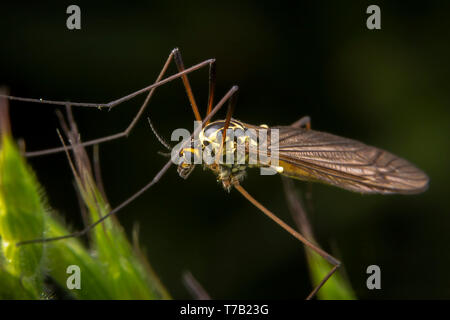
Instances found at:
x=160 y=139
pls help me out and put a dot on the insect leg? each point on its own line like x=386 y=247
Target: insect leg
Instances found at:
x=116 y=102
x=336 y=263
x=194 y=287
x=112 y=104
x=302 y=122
x=180 y=65
x=156 y=178
x=212 y=87
x=230 y=110
x=299 y=215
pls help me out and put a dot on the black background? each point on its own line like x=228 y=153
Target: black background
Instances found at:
x=388 y=88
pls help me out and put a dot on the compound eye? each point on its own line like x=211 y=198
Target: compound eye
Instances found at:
x=188 y=156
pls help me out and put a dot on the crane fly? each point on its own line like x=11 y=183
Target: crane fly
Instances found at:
x=311 y=155
x=303 y=153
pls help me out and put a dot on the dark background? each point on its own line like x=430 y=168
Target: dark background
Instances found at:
x=387 y=88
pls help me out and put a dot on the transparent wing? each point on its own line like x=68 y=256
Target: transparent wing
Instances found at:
x=349 y=164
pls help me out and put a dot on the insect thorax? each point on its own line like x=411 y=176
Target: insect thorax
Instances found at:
x=240 y=145
x=231 y=166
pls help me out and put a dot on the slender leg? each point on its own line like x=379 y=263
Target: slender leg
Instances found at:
x=114 y=103
x=299 y=215
x=303 y=121
x=306 y=122
x=230 y=110
x=212 y=84
x=212 y=87
x=194 y=287
x=336 y=263
x=157 y=177
x=325 y=279
x=180 y=65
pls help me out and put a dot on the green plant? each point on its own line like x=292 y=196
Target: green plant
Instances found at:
x=111 y=268
x=337 y=287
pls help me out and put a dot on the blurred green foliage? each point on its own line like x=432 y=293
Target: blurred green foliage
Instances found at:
x=110 y=269
x=336 y=288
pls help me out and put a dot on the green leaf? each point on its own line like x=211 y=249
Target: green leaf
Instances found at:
x=22 y=215
x=336 y=288
x=111 y=269
x=130 y=275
